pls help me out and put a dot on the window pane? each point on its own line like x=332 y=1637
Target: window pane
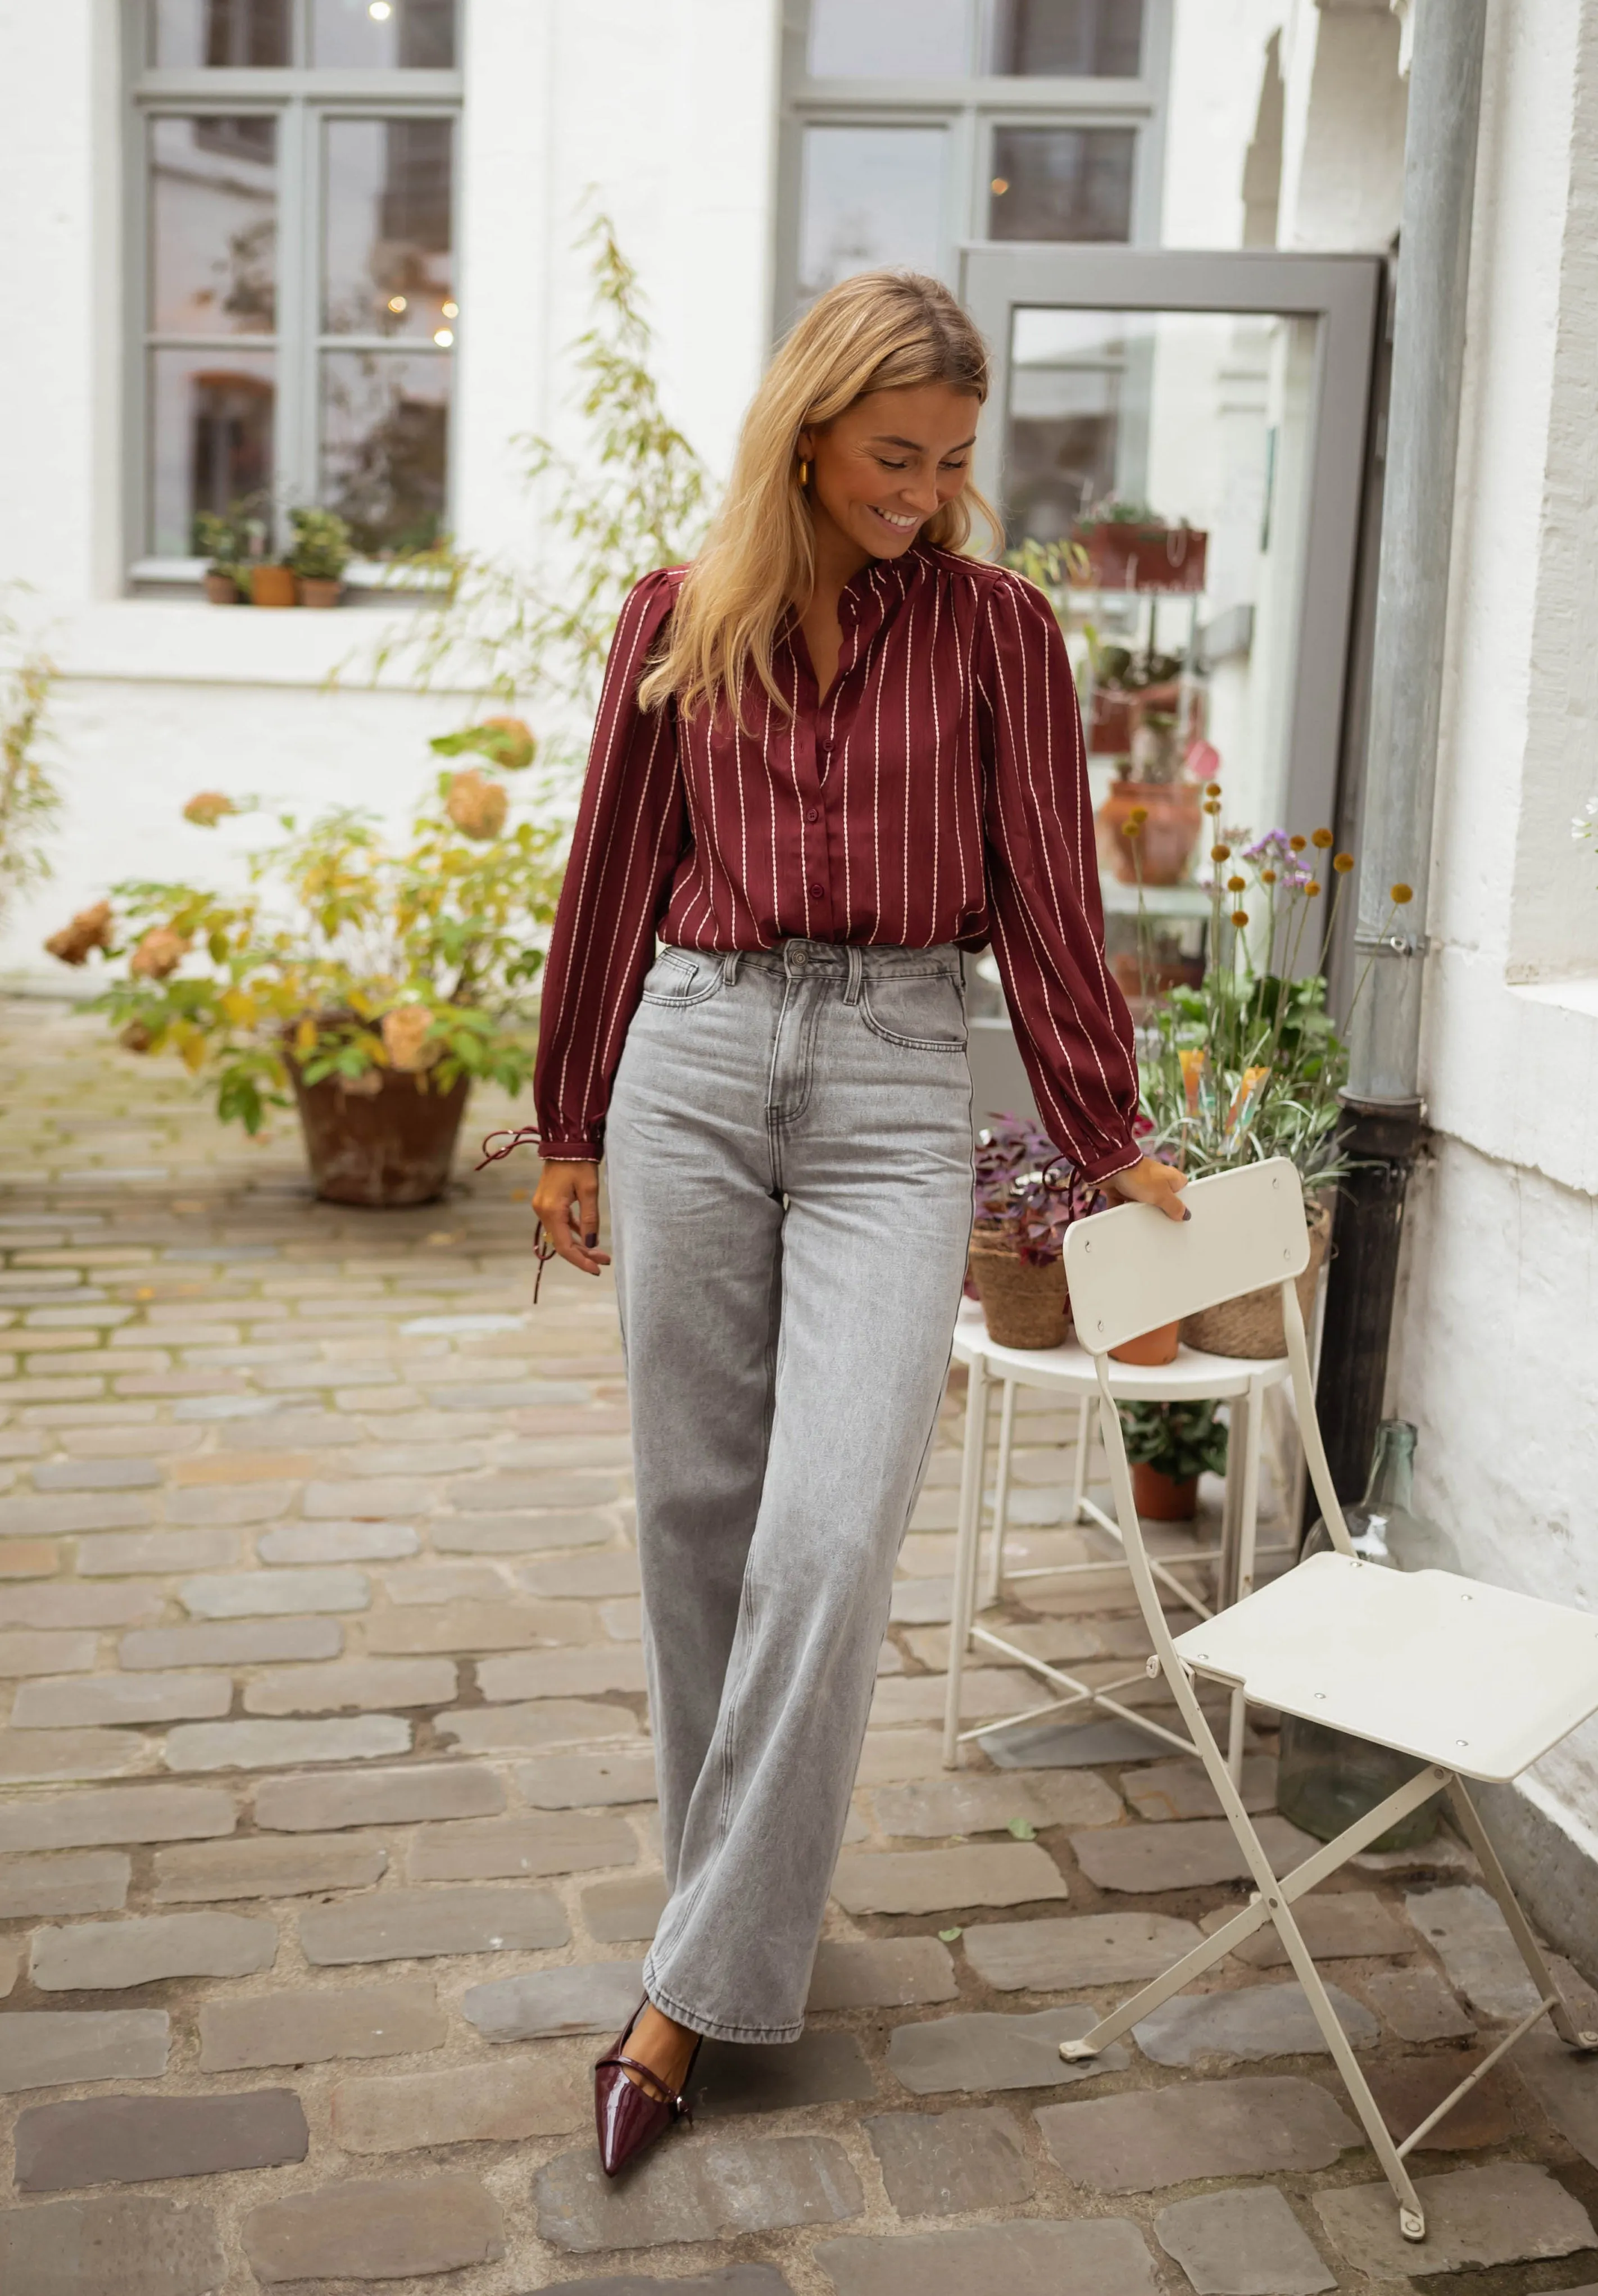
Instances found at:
x=232 y=33
x=384 y=34
x=213 y=225
x=889 y=39
x=210 y=439
x=386 y=249
x=1093 y=39
x=871 y=196
x=1062 y=183
x=385 y=417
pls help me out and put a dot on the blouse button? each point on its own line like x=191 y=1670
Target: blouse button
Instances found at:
x=816 y=889
x=813 y=813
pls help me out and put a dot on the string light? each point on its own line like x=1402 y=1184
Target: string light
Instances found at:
x=444 y=337
x=379 y=11
x=1001 y=185
x=397 y=303
x=450 y=310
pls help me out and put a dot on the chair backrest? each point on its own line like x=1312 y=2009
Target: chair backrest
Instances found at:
x=1132 y=1270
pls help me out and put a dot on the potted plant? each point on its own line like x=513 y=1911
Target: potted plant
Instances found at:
x=227 y=543
x=1024 y=1203
x=1126 y=546
x=272 y=583
x=1248 y=1064
x=322 y=550
x=1169 y=1445
x=1158 y=811
x=371 y=983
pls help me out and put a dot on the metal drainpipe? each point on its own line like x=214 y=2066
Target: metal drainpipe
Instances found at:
x=1384 y=1120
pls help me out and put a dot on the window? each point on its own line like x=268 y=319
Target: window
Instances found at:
x=912 y=126
x=293 y=216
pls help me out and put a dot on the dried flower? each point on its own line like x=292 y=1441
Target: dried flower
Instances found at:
x=1212 y=789
x=1237 y=884
x=476 y=805
x=135 y=1037
x=1212 y=804
x=1240 y=918
x=1402 y=895
x=1220 y=853
x=512 y=745
x=90 y=929
x=404 y=1034
x=1136 y=818
x=1268 y=876
x=161 y=951
x=1312 y=891
x=1321 y=838
x=1342 y=863
x=206 y=810
x=1297 y=843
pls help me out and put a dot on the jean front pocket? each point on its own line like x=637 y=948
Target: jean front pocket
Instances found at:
x=683 y=976
x=923 y=1011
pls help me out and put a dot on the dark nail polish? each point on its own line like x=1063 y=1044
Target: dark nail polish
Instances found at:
x=592 y=1240
x=1185 y=1213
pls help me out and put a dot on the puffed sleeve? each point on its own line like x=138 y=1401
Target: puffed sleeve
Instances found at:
x=632 y=827
x=1046 y=910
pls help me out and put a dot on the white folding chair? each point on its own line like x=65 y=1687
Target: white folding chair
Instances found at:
x=1474 y=1681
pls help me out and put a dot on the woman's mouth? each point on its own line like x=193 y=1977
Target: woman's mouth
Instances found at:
x=897 y=522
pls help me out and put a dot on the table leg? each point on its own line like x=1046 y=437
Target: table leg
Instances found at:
x=963 y=1601
x=1000 y=1497
x=1252 y=1407
x=1083 y=1439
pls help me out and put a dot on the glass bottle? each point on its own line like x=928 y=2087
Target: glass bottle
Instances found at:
x=1326 y=1779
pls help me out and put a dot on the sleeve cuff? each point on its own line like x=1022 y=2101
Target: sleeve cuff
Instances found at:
x=1113 y=1160
x=569 y=1151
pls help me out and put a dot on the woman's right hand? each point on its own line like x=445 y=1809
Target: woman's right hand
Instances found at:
x=566 y=1202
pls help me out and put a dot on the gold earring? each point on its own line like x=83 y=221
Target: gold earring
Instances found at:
x=804 y=471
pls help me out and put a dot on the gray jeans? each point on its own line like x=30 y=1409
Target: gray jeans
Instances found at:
x=789 y=1144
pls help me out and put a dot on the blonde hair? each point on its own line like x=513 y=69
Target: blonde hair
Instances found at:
x=880 y=331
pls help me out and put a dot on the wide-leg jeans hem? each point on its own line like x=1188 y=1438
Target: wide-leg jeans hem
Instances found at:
x=715 y=2028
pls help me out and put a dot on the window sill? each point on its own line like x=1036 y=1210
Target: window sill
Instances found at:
x=372 y=576
x=1579 y=994
x=181 y=640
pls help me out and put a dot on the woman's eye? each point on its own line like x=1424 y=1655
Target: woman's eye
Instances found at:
x=887 y=466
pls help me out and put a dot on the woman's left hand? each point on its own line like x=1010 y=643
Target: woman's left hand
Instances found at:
x=1150 y=1182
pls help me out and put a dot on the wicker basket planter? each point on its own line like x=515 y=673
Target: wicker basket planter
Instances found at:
x=1252 y=1325
x=1024 y=1306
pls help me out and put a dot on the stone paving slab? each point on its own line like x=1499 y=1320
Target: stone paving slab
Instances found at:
x=927 y=1881
x=1257 y=2021
x=1413 y=2087
x=580 y=1781
x=386 y=2230
x=880 y=1973
x=1564 y=2084
x=71 y=1881
x=595 y=1997
x=129 y=2140
x=311 y=1804
x=1167 y=1790
x=113 y=2244
x=1472 y=1938
x=1254 y=2127
x=102 y=1956
x=928 y=1809
x=264 y=1866
x=510 y=2100
x=820 y=2068
x=1183 y=1854
x=418 y=1924
x=310 y=2028
x=736 y=2280
x=1505 y=2214
x=493 y=1848
x=695 y=2189
x=995 y=2050
x=1416 y=2004
x=1341 y=1925
x=49 y=2048
x=940 y=2164
x=1243 y=2244
x=1044 y=1956
x=1102 y=2256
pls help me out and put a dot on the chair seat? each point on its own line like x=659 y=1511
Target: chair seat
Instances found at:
x=1192 y=1376
x=1475 y=1678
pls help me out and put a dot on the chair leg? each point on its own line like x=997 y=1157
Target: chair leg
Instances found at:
x=1000 y=1497
x=962 y=1604
x=1248 y=1522
x=1531 y=1953
x=1083 y=1439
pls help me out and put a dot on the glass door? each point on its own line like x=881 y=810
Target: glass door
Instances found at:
x=1176 y=442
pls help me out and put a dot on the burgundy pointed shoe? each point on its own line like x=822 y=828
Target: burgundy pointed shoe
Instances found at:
x=626 y=2118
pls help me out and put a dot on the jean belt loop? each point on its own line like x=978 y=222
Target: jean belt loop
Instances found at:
x=729 y=967
x=851 y=995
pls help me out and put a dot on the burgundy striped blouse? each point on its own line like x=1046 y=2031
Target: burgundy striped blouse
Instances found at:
x=938 y=793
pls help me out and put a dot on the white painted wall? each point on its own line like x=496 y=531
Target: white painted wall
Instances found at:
x=664 y=116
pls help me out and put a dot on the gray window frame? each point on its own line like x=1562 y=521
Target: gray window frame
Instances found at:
x=1342 y=293
x=970 y=109
x=300 y=97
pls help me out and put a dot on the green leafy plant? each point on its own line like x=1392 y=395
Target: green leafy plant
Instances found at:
x=514 y=633
x=346 y=955
x=30 y=799
x=1178 y=1439
x=232 y=542
x=323 y=546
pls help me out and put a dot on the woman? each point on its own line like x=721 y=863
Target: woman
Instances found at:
x=831 y=755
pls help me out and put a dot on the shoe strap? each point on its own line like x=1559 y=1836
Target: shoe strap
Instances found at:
x=678 y=2102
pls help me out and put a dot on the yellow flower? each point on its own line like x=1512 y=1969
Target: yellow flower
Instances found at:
x=1297 y=843
x=1237 y=884
x=1212 y=789
x=1402 y=894
x=405 y=1032
x=206 y=810
x=161 y=951
x=476 y=805
x=1212 y=804
x=1268 y=876
x=1342 y=863
x=90 y=929
x=1136 y=818
x=1321 y=838
x=1240 y=918
x=1312 y=891
x=1220 y=853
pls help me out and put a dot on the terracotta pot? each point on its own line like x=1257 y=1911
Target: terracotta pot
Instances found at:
x=1156 y=1347
x=1175 y=815
x=318 y=590
x=1022 y=1305
x=1161 y=1497
x=390 y=1146
x=1123 y=556
x=1110 y=723
x=222 y=590
x=272 y=586
x=1173 y=972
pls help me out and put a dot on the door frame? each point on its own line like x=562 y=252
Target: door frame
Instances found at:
x=1342 y=293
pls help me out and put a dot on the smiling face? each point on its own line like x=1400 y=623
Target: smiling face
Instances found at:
x=887 y=464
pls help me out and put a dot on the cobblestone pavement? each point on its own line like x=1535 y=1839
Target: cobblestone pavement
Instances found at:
x=327 y=1844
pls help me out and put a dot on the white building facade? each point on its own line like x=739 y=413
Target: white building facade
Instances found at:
x=429 y=168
